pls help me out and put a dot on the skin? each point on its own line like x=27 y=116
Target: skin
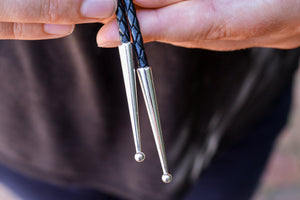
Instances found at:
x=208 y=24
x=215 y=24
x=47 y=19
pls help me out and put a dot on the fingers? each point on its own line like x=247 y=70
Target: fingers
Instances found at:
x=46 y=19
x=108 y=36
x=28 y=31
x=164 y=24
x=199 y=27
x=215 y=25
x=56 y=11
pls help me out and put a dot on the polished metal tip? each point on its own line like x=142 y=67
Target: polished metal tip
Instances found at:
x=139 y=156
x=129 y=75
x=148 y=90
x=166 y=178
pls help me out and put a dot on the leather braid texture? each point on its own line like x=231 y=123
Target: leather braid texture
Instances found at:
x=122 y=23
x=135 y=33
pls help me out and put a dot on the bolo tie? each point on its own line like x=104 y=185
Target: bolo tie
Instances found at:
x=131 y=38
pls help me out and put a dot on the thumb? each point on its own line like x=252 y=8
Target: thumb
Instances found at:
x=167 y=24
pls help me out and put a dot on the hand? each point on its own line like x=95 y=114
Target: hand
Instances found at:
x=215 y=24
x=45 y=19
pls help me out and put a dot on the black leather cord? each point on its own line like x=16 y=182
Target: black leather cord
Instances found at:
x=135 y=33
x=122 y=23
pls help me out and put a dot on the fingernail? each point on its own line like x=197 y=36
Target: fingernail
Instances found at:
x=58 y=29
x=98 y=8
x=109 y=44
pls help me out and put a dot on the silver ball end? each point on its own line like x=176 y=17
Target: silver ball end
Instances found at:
x=139 y=157
x=166 y=178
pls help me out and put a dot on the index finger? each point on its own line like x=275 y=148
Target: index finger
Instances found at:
x=56 y=11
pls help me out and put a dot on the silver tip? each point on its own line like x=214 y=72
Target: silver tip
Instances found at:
x=147 y=85
x=129 y=76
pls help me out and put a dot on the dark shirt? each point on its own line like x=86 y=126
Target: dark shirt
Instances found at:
x=64 y=116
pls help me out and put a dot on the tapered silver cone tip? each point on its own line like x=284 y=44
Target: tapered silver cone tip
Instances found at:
x=139 y=157
x=166 y=178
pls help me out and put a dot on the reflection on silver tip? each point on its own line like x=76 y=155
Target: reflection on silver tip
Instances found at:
x=148 y=90
x=129 y=76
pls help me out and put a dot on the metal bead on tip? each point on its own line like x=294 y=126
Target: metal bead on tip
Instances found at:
x=139 y=157
x=166 y=178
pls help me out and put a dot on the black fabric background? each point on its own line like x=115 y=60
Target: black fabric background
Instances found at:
x=64 y=116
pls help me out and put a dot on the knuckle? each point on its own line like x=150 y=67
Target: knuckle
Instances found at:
x=50 y=11
x=216 y=32
x=18 y=30
x=217 y=28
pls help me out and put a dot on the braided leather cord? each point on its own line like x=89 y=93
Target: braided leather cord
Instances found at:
x=122 y=23
x=136 y=33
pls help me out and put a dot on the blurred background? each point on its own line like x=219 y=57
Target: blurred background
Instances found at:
x=282 y=177
x=281 y=180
